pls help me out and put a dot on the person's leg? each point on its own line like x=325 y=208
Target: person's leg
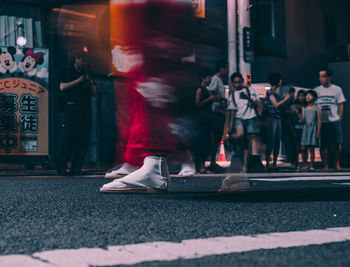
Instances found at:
x=324 y=142
x=255 y=147
x=297 y=155
x=213 y=148
x=218 y=122
x=239 y=132
x=81 y=137
x=304 y=154
x=276 y=142
x=338 y=145
x=239 y=142
x=247 y=143
x=337 y=151
x=324 y=155
x=65 y=142
x=312 y=157
x=270 y=140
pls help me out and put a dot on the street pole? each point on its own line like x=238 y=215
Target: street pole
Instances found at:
x=238 y=19
x=243 y=22
x=231 y=35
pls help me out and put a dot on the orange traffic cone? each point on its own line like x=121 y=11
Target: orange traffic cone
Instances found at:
x=222 y=156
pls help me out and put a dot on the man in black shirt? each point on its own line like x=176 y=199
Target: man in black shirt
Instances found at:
x=76 y=87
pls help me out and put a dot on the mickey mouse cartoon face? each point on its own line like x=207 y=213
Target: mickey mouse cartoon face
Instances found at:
x=7 y=61
x=30 y=61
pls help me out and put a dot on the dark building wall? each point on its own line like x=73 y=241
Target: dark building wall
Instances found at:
x=314 y=29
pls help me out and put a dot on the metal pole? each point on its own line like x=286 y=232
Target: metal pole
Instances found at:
x=231 y=34
x=243 y=21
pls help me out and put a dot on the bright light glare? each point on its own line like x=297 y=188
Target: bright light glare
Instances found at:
x=21 y=41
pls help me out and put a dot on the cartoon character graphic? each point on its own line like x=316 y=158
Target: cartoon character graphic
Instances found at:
x=7 y=61
x=29 y=62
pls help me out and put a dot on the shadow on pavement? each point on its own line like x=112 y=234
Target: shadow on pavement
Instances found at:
x=300 y=195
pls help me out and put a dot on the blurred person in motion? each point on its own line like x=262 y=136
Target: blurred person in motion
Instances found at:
x=158 y=94
x=297 y=126
x=311 y=116
x=217 y=89
x=243 y=105
x=330 y=100
x=76 y=88
x=272 y=113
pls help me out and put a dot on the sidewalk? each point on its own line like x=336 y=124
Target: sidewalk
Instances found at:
x=7 y=169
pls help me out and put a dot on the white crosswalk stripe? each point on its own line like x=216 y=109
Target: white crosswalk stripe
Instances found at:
x=169 y=251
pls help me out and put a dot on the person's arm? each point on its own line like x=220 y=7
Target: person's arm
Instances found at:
x=340 y=110
x=92 y=85
x=318 y=123
x=278 y=104
x=200 y=103
x=230 y=115
x=340 y=100
x=232 y=118
x=68 y=85
x=302 y=115
x=255 y=101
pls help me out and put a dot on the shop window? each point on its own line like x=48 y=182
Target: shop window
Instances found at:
x=12 y=27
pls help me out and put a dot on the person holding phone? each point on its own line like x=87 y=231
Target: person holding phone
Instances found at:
x=272 y=105
x=76 y=88
x=243 y=105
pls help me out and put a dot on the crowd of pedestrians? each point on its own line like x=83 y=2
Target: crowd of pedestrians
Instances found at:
x=299 y=120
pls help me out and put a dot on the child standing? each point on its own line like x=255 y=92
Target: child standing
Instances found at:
x=297 y=126
x=311 y=116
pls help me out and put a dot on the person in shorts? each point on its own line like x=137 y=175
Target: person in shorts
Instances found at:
x=242 y=104
x=330 y=100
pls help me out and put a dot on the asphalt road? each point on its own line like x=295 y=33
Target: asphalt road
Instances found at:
x=41 y=214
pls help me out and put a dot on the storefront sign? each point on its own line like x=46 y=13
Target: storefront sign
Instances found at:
x=24 y=113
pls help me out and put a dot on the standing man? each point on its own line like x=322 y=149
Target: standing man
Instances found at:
x=216 y=88
x=243 y=105
x=330 y=99
x=76 y=88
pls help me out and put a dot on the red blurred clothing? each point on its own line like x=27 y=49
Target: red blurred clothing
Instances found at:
x=147 y=50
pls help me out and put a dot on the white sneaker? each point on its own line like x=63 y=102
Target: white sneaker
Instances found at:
x=121 y=170
x=187 y=170
x=152 y=177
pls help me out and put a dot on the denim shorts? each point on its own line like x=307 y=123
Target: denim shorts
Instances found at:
x=250 y=126
x=331 y=133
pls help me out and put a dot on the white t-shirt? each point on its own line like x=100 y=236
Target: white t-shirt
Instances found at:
x=216 y=86
x=243 y=109
x=328 y=100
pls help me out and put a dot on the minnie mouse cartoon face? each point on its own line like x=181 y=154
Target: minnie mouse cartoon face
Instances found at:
x=7 y=61
x=30 y=61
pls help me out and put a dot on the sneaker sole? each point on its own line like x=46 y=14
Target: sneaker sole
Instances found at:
x=142 y=190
